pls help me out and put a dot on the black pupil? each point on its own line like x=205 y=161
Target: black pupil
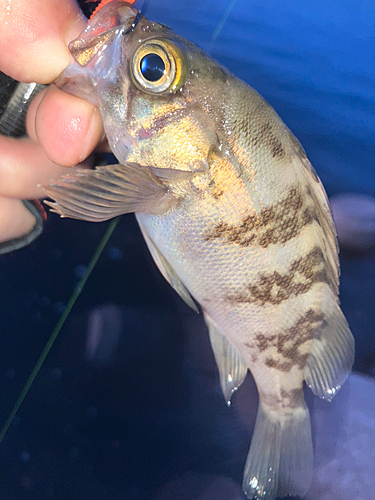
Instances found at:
x=152 y=67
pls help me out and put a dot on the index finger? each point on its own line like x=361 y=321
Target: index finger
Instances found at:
x=34 y=37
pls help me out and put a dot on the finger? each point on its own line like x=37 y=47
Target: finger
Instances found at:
x=15 y=219
x=102 y=147
x=24 y=166
x=67 y=127
x=35 y=35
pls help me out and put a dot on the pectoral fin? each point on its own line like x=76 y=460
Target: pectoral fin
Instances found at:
x=168 y=272
x=232 y=369
x=106 y=192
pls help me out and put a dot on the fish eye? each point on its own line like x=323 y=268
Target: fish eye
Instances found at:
x=152 y=67
x=158 y=66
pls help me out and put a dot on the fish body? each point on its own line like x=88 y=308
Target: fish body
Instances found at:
x=234 y=216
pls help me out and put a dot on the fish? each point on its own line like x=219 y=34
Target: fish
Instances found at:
x=234 y=215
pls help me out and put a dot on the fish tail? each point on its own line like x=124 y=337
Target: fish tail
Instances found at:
x=280 y=459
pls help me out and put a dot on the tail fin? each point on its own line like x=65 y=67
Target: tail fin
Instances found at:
x=280 y=459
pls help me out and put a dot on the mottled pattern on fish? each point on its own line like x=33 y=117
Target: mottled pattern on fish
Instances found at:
x=275 y=224
x=234 y=216
x=274 y=288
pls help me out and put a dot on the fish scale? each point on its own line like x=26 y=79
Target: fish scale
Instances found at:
x=234 y=216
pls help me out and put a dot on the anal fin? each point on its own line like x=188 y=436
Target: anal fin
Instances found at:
x=232 y=368
x=331 y=357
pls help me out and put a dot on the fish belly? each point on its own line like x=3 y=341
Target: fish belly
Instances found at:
x=253 y=294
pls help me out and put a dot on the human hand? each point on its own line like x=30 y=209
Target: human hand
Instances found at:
x=62 y=129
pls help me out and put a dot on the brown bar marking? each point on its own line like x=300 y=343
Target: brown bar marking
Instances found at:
x=274 y=288
x=276 y=224
x=288 y=343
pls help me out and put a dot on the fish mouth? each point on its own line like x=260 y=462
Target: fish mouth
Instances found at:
x=95 y=73
x=115 y=17
x=96 y=53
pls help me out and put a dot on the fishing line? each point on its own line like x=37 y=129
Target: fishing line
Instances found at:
x=220 y=25
x=78 y=289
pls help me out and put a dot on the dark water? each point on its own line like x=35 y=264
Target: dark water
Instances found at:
x=133 y=410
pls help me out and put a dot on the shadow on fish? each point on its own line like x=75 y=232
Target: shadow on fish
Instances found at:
x=234 y=216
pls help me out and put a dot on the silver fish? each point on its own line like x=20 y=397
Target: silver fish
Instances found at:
x=234 y=216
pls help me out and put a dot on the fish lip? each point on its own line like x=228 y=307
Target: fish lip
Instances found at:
x=94 y=49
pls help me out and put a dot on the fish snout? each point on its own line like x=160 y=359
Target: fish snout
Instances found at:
x=97 y=52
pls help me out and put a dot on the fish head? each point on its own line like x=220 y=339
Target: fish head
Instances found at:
x=160 y=96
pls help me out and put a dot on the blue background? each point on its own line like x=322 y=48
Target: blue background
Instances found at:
x=153 y=412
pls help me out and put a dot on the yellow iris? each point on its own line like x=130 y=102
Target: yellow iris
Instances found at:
x=173 y=68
